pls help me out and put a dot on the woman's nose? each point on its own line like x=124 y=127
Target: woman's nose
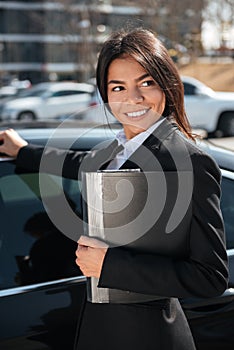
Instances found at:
x=135 y=96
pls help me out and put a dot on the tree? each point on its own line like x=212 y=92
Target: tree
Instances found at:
x=221 y=14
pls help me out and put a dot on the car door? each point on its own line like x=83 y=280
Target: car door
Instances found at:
x=41 y=288
x=65 y=102
x=212 y=320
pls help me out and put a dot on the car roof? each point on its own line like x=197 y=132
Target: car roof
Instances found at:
x=219 y=150
x=69 y=135
x=72 y=85
x=63 y=85
x=196 y=82
x=83 y=136
x=188 y=79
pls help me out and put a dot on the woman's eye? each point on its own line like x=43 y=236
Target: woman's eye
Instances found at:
x=148 y=83
x=117 y=88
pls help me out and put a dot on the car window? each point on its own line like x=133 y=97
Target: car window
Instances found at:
x=67 y=93
x=227 y=206
x=189 y=89
x=32 y=249
x=33 y=93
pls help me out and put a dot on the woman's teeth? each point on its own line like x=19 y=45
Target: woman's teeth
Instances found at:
x=136 y=114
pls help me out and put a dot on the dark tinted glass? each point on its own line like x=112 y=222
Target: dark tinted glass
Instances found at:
x=67 y=93
x=32 y=249
x=189 y=89
x=227 y=206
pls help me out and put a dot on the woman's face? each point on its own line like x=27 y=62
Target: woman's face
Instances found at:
x=134 y=97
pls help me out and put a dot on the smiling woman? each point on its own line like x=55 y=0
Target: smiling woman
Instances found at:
x=138 y=101
x=180 y=255
x=149 y=57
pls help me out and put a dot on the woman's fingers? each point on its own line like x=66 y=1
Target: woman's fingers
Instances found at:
x=90 y=256
x=91 y=242
x=11 y=142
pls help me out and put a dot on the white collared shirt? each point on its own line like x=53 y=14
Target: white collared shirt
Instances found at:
x=130 y=146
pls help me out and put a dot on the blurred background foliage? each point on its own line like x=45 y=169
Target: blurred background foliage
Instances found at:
x=60 y=39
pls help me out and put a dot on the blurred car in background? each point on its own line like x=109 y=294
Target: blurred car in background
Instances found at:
x=11 y=91
x=41 y=288
x=7 y=91
x=48 y=100
x=14 y=88
x=207 y=109
x=96 y=112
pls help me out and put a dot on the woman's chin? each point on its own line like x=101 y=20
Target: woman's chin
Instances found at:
x=132 y=129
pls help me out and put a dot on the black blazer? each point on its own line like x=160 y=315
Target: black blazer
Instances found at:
x=189 y=261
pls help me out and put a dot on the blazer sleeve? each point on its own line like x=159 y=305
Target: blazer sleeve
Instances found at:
x=203 y=272
x=66 y=163
x=55 y=161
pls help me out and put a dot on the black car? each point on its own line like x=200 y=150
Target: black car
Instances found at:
x=212 y=320
x=42 y=289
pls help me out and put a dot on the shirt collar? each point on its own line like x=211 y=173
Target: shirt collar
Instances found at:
x=138 y=139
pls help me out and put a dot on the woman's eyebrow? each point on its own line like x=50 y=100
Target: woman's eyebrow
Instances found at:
x=113 y=81
x=146 y=75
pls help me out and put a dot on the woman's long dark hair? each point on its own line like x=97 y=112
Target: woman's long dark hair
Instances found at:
x=143 y=46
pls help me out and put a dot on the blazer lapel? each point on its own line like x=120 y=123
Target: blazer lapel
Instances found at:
x=105 y=156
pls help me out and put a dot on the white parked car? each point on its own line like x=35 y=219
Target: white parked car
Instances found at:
x=7 y=91
x=48 y=100
x=208 y=109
